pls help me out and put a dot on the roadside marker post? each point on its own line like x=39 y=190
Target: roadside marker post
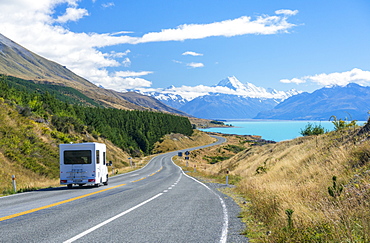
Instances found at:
x=14 y=183
x=227 y=177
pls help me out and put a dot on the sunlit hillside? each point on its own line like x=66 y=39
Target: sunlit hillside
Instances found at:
x=310 y=189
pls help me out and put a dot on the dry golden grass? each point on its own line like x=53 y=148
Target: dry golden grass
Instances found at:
x=25 y=179
x=296 y=175
x=172 y=142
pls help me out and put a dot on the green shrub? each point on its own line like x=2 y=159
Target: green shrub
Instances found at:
x=312 y=129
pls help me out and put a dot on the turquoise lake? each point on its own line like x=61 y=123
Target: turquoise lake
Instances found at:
x=271 y=129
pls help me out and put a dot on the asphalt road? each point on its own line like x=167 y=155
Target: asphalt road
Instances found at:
x=158 y=203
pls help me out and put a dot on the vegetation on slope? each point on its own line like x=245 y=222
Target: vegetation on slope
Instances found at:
x=133 y=131
x=309 y=189
x=35 y=119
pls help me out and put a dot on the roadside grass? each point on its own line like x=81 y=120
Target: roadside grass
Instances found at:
x=287 y=184
x=31 y=152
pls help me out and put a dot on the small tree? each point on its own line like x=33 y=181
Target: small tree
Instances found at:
x=313 y=129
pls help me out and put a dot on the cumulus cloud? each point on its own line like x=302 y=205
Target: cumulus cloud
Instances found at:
x=356 y=75
x=195 y=64
x=72 y=14
x=191 y=53
x=34 y=27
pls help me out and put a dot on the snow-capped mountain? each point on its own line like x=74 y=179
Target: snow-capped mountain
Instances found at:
x=252 y=91
x=350 y=101
x=230 y=98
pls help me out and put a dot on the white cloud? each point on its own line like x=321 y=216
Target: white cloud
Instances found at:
x=265 y=25
x=118 y=54
x=107 y=5
x=191 y=53
x=31 y=24
x=195 y=64
x=132 y=74
x=126 y=62
x=72 y=14
x=294 y=81
x=356 y=75
x=286 y=12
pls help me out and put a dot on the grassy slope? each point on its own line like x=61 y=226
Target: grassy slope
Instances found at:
x=29 y=150
x=295 y=175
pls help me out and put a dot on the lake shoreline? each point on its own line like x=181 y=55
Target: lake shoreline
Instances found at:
x=274 y=130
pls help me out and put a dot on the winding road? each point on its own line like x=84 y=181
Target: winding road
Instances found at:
x=157 y=203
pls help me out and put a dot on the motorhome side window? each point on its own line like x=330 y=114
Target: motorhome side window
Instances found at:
x=77 y=157
x=97 y=156
x=103 y=158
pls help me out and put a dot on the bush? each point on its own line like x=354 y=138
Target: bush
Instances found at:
x=313 y=129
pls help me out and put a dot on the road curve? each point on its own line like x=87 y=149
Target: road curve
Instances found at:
x=158 y=203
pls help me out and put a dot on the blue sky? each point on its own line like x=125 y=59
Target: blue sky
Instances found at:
x=305 y=45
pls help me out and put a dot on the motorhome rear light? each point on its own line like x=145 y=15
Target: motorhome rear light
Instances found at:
x=63 y=181
x=91 y=180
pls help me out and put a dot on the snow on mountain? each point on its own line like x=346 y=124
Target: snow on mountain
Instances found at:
x=250 y=90
x=351 y=101
x=230 y=98
x=230 y=85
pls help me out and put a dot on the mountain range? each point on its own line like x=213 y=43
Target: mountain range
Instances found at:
x=351 y=101
x=228 y=99
x=232 y=99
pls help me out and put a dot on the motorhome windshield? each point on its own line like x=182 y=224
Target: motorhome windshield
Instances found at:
x=77 y=157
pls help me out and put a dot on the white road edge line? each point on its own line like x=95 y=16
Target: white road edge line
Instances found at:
x=224 y=209
x=111 y=219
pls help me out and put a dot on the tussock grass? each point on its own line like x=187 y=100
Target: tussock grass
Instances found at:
x=294 y=176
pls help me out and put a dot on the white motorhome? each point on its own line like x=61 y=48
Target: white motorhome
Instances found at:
x=83 y=164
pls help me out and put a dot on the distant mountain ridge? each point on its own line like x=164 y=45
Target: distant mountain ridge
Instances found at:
x=229 y=99
x=351 y=101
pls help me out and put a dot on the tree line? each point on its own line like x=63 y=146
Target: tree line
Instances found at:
x=71 y=111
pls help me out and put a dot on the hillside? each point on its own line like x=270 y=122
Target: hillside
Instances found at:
x=17 y=61
x=309 y=189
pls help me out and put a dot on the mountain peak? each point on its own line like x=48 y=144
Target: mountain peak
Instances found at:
x=232 y=83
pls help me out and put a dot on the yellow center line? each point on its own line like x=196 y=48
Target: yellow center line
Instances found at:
x=58 y=203
x=68 y=200
x=139 y=179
